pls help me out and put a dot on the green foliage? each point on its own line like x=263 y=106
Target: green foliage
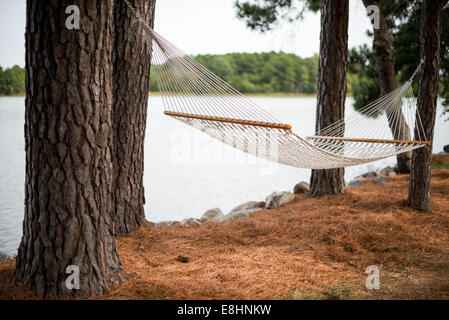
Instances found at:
x=219 y=65
x=440 y=166
x=444 y=64
x=153 y=81
x=403 y=18
x=406 y=47
x=337 y=293
x=330 y=293
x=362 y=77
x=12 y=80
x=267 y=72
x=263 y=14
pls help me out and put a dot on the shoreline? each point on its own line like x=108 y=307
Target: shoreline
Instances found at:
x=268 y=95
x=12 y=95
x=439 y=161
x=279 y=198
x=274 y=94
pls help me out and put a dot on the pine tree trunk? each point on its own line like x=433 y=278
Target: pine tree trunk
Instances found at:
x=385 y=68
x=132 y=58
x=68 y=142
x=431 y=26
x=331 y=86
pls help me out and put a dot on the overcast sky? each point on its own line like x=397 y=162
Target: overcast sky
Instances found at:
x=200 y=26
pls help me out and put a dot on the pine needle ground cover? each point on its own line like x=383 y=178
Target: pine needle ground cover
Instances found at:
x=312 y=248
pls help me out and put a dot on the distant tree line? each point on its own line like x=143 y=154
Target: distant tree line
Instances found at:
x=12 y=80
x=267 y=72
x=272 y=72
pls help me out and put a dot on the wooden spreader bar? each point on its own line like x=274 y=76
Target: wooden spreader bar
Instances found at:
x=369 y=140
x=230 y=120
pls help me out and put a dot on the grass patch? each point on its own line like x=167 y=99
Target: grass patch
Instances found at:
x=337 y=293
x=440 y=166
x=440 y=161
x=330 y=293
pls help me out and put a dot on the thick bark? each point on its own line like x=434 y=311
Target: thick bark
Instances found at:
x=68 y=142
x=431 y=26
x=385 y=68
x=331 y=86
x=131 y=59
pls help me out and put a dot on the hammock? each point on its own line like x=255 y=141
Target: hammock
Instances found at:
x=194 y=95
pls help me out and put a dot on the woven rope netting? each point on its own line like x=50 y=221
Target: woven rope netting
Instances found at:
x=194 y=95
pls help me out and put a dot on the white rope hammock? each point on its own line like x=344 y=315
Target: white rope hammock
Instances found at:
x=194 y=95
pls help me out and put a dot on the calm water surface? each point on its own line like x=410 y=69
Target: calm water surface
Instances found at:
x=186 y=172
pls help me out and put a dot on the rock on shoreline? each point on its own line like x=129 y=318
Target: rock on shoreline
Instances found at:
x=212 y=215
x=241 y=211
x=277 y=199
x=244 y=210
x=250 y=205
x=167 y=224
x=302 y=187
x=274 y=200
x=378 y=177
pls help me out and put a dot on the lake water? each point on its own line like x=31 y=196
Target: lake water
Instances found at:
x=186 y=172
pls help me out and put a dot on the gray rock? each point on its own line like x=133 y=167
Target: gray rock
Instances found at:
x=237 y=215
x=242 y=214
x=380 y=180
x=369 y=174
x=191 y=222
x=302 y=187
x=167 y=224
x=250 y=205
x=355 y=183
x=4 y=256
x=174 y=224
x=277 y=199
x=386 y=171
x=212 y=215
x=446 y=148
x=244 y=210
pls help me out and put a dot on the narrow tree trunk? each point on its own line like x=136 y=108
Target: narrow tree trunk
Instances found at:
x=132 y=59
x=331 y=86
x=387 y=82
x=68 y=142
x=431 y=26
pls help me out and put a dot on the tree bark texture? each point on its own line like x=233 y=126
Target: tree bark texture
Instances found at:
x=132 y=60
x=387 y=81
x=431 y=27
x=331 y=86
x=68 y=142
